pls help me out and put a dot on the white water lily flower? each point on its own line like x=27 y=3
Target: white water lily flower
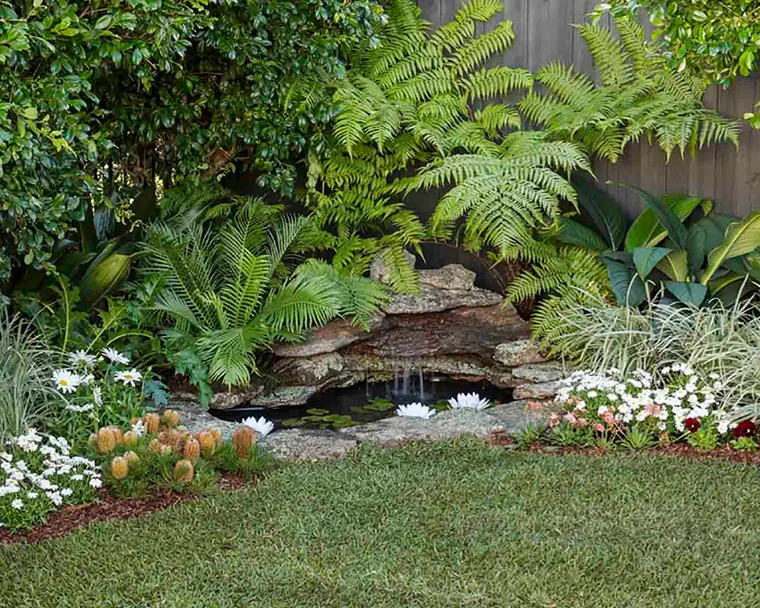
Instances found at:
x=129 y=378
x=81 y=357
x=66 y=381
x=469 y=401
x=114 y=356
x=415 y=410
x=262 y=426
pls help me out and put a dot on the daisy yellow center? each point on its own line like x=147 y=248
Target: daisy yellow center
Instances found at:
x=63 y=382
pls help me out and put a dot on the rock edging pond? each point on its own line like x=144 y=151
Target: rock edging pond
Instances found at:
x=310 y=445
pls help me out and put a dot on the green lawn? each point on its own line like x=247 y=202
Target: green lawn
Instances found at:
x=450 y=525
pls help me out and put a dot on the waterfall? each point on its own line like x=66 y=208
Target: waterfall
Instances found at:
x=422 y=387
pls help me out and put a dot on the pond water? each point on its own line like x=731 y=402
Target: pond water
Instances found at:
x=345 y=407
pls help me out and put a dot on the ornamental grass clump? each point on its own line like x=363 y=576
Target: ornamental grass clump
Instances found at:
x=38 y=474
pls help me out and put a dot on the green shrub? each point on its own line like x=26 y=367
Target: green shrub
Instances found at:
x=102 y=100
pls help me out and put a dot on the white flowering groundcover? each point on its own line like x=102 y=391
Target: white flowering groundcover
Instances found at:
x=609 y=403
x=38 y=474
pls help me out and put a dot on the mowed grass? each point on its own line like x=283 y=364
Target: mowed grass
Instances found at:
x=458 y=524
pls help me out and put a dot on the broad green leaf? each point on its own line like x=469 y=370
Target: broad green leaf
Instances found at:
x=575 y=233
x=646 y=258
x=688 y=293
x=604 y=211
x=741 y=238
x=625 y=282
x=675 y=266
x=102 y=277
x=647 y=230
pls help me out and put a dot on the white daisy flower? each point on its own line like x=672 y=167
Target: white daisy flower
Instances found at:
x=66 y=381
x=87 y=407
x=81 y=357
x=138 y=428
x=115 y=356
x=129 y=378
x=97 y=396
x=17 y=504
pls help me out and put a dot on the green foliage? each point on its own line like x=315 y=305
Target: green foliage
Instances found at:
x=530 y=435
x=638 y=438
x=636 y=97
x=408 y=103
x=715 y=254
x=744 y=444
x=565 y=277
x=232 y=287
x=27 y=397
x=705 y=438
x=717 y=40
x=100 y=100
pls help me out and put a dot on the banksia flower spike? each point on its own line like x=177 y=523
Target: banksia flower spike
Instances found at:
x=154 y=447
x=134 y=421
x=130 y=439
x=119 y=467
x=165 y=450
x=170 y=418
x=106 y=441
x=206 y=442
x=191 y=450
x=93 y=439
x=183 y=471
x=131 y=457
x=242 y=440
x=216 y=434
x=151 y=422
x=117 y=433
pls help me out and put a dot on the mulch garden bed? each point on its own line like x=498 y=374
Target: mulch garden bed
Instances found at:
x=66 y=520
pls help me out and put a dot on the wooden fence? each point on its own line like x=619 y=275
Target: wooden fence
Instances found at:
x=730 y=177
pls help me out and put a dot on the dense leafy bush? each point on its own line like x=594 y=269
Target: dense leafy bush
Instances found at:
x=99 y=99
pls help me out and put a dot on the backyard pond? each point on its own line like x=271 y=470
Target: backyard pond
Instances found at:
x=345 y=407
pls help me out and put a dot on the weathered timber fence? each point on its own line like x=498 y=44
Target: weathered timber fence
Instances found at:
x=730 y=177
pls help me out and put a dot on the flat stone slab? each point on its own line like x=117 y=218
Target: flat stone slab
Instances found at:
x=453 y=276
x=433 y=299
x=306 y=445
x=450 y=424
x=517 y=352
x=540 y=391
x=540 y=372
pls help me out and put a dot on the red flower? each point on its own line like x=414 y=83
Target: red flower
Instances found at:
x=745 y=429
x=692 y=424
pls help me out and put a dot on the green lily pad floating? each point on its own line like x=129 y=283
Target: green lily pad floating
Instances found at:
x=380 y=405
x=293 y=422
x=317 y=411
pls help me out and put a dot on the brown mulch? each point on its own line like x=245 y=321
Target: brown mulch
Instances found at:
x=723 y=452
x=66 y=520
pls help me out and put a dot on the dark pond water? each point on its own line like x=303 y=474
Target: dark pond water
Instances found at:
x=340 y=408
